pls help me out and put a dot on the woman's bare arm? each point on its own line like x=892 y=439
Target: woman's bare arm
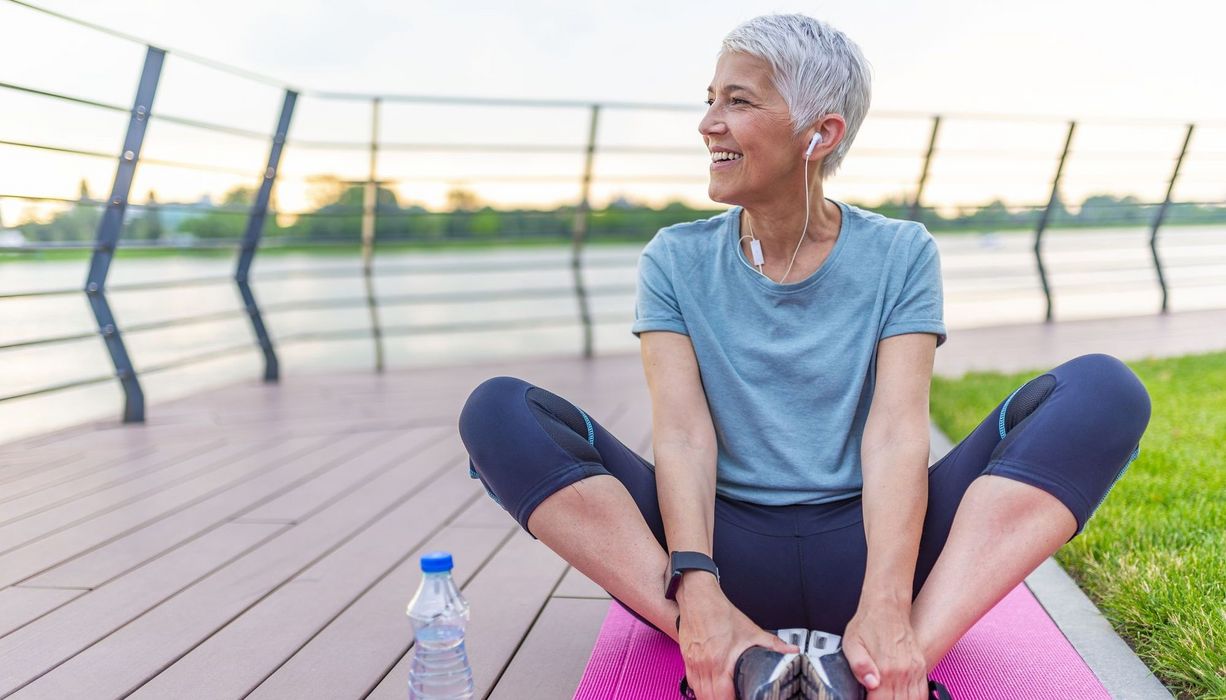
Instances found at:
x=683 y=439
x=712 y=632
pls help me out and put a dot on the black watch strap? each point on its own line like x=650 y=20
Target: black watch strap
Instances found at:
x=680 y=562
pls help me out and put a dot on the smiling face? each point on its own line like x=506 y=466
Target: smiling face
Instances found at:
x=748 y=116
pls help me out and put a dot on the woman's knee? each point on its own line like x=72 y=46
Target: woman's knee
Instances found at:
x=488 y=405
x=500 y=401
x=489 y=409
x=1115 y=388
x=492 y=397
x=525 y=442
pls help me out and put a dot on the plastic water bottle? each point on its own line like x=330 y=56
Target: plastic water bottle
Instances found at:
x=439 y=613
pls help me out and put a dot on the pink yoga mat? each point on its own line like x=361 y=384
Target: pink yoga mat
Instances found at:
x=1015 y=651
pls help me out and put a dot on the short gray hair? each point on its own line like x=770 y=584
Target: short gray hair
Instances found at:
x=815 y=67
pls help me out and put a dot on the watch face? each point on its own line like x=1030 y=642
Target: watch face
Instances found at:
x=670 y=586
x=676 y=560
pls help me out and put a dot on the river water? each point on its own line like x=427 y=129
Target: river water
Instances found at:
x=989 y=279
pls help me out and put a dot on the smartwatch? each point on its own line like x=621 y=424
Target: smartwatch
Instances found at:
x=679 y=562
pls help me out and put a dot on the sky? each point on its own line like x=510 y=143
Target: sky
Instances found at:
x=1100 y=62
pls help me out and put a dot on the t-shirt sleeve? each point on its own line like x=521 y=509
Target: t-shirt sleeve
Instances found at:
x=919 y=307
x=655 y=305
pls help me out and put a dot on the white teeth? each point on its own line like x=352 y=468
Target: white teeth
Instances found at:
x=724 y=155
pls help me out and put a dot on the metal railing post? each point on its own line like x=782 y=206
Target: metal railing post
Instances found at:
x=251 y=239
x=107 y=238
x=1161 y=215
x=923 y=178
x=1051 y=202
x=370 y=204
x=579 y=232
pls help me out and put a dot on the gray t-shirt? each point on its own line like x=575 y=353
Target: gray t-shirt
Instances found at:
x=789 y=369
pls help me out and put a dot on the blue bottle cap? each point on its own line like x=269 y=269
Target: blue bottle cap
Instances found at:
x=435 y=562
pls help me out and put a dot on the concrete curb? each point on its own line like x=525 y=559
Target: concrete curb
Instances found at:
x=1110 y=658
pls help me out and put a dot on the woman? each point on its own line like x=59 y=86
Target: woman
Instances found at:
x=788 y=346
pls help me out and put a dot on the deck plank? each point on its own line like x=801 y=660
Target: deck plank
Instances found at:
x=40 y=646
x=506 y=598
x=132 y=655
x=58 y=471
x=86 y=439
x=367 y=461
x=143 y=543
x=20 y=500
x=18 y=606
x=551 y=661
x=483 y=512
x=17 y=465
x=374 y=631
x=34 y=557
x=576 y=585
x=158 y=492
x=270 y=631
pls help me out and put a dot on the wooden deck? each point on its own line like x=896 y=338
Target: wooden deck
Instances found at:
x=262 y=541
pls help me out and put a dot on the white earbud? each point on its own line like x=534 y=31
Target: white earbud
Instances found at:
x=817 y=138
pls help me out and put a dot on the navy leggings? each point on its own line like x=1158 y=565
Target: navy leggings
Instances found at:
x=1071 y=431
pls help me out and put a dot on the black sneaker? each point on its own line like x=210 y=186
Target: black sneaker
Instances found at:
x=761 y=674
x=826 y=675
x=765 y=674
x=820 y=672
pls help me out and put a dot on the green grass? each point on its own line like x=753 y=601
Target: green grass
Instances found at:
x=1153 y=558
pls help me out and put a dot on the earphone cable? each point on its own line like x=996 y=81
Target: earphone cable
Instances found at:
x=804 y=232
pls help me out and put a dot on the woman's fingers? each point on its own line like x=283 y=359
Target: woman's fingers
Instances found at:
x=772 y=641
x=708 y=676
x=862 y=665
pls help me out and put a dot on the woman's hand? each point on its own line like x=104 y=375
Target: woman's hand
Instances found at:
x=883 y=653
x=712 y=636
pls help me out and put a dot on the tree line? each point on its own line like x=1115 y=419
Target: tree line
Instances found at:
x=337 y=217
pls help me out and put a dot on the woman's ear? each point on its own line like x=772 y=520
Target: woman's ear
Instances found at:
x=832 y=128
